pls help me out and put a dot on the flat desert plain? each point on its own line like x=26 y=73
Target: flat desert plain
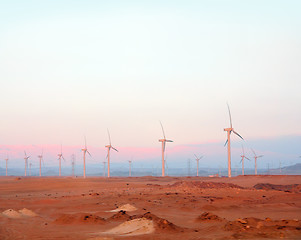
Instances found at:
x=243 y=207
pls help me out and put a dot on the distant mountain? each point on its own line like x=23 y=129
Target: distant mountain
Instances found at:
x=289 y=170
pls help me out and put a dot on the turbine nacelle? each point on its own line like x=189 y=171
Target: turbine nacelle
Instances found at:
x=165 y=140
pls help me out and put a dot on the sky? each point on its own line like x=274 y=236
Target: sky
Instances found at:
x=70 y=69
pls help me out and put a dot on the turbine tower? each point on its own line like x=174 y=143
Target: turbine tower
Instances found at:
x=104 y=168
x=130 y=168
x=73 y=164
x=41 y=159
x=108 y=154
x=242 y=160
x=164 y=140
x=255 y=157
x=30 y=164
x=60 y=155
x=6 y=160
x=197 y=163
x=26 y=162
x=85 y=150
x=229 y=131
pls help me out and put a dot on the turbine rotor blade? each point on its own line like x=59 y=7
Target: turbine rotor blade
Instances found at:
x=238 y=135
x=163 y=130
x=164 y=143
x=89 y=153
x=247 y=158
x=109 y=136
x=253 y=152
x=226 y=143
x=196 y=156
x=229 y=115
x=115 y=149
x=260 y=156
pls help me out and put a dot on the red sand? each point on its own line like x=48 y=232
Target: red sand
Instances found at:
x=180 y=208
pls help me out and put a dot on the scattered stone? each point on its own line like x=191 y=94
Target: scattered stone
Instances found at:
x=210 y=185
x=285 y=188
x=207 y=216
x=126 y=207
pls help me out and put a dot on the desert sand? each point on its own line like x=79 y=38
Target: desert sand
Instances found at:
x=243 y=207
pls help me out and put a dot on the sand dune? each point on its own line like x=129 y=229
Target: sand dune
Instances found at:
x=127 y=207
x=134 y=227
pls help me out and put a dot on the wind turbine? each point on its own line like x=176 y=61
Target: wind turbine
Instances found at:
x=104 y=168
x=41 y=159
x=164 y=140
x=30 y=164
x=229 y=131
x=242 y=160
x=6 y=160
x=108 y=154
x=60 y=155
x=197 y=163
x=255 y=157
x=26 y=162
x=73 y=163
x=85 y=150
x=130 y=168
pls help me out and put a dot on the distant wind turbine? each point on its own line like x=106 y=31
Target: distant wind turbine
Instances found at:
x=229 y=131
x=242 y=160
x=255 y=157
x=73 y=163
x=30 y=164
x=130 y=168
x=108 y=154
x=85 y=150
x=6 y=160
x=60 y=155
x=164 y=140
x=26 y=162
x=197 y=163
x=104 y=168
x=41 y=159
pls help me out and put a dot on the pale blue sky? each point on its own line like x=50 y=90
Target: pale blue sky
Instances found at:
x=69 y=68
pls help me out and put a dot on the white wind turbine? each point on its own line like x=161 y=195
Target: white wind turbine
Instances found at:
x=60 y=155
x=85 y=150
x=73 y=164
x=104 y=168
x=30 y=164
x=26 y=162
x=41 y=159
x=108 y=154
x=242 y=160
x=229 y=131
x=197 y=162
x=255 y=157
x=130 y=168
x=164 y=140
x=6 y=160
